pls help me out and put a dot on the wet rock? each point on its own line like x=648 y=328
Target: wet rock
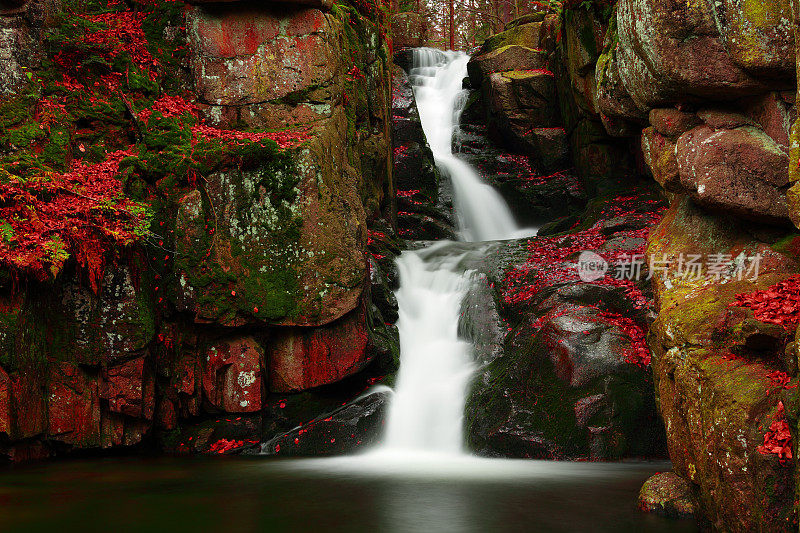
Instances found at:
x=568 y=382
x=353 y=427
x=669 y=495
x=73 y=406
x=519 y=104
x=232 y=375
x=221 y=436
x=22 y=29
x=511 y=57
x=742 y=171
x=302 y=358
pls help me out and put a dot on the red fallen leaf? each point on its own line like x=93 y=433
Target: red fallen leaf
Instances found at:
x=778 y=440
x=779 y=304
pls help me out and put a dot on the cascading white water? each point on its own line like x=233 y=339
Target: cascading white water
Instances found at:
x=426 y=413
x=435 y=365
x=437 y=76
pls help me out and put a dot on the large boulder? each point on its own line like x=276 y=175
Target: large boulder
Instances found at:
x=358 y=425
x=303 y=358
x=511 y=57
x=758 y=36
x=529 y=35
x=670 y=51
x=720 y=369
x=571 y=379
x=741 y=171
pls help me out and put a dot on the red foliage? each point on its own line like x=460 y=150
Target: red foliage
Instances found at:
x=169 y=106
x=285 y=139
x=781 y=379
x=779 y=304
x=639 y=353
x=83 y=212
x=225 y=445
x=549 y=260
x=778 y=440
x=123 y=33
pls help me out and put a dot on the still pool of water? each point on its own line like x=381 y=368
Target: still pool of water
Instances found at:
x=238 y=494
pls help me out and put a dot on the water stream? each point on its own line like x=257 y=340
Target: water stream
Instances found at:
x=426 y=413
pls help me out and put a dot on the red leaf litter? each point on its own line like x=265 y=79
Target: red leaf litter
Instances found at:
x=225 y=445
x=639 y=353
x=169 y=106
x=781 y=379
x=779 y=304
x=285 y=139
x=548 y=263
x=83 y=211
x=778 y=440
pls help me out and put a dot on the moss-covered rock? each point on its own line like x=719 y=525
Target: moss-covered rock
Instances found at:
x=714 y=366
x=667 y=494
x=562 y=377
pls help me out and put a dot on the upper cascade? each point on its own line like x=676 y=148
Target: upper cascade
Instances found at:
x=481 y=212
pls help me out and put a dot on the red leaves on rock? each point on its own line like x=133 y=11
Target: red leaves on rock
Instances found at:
x=224 y=445
x=550 y=259
x=778 y=440
x=779 y=304
x=82 y=212
x=639 y=353
x=285 y=139
x=781 y=379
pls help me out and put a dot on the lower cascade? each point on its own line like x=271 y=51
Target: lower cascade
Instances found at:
x=426 y=412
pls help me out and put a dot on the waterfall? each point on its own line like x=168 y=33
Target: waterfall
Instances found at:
x=437 y=76
x=426 y=413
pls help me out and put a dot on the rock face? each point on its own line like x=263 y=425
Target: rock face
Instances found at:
x=714 y=83
x=254 y=143
x=566 y=376
x=598 y=120
x=704 y=335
